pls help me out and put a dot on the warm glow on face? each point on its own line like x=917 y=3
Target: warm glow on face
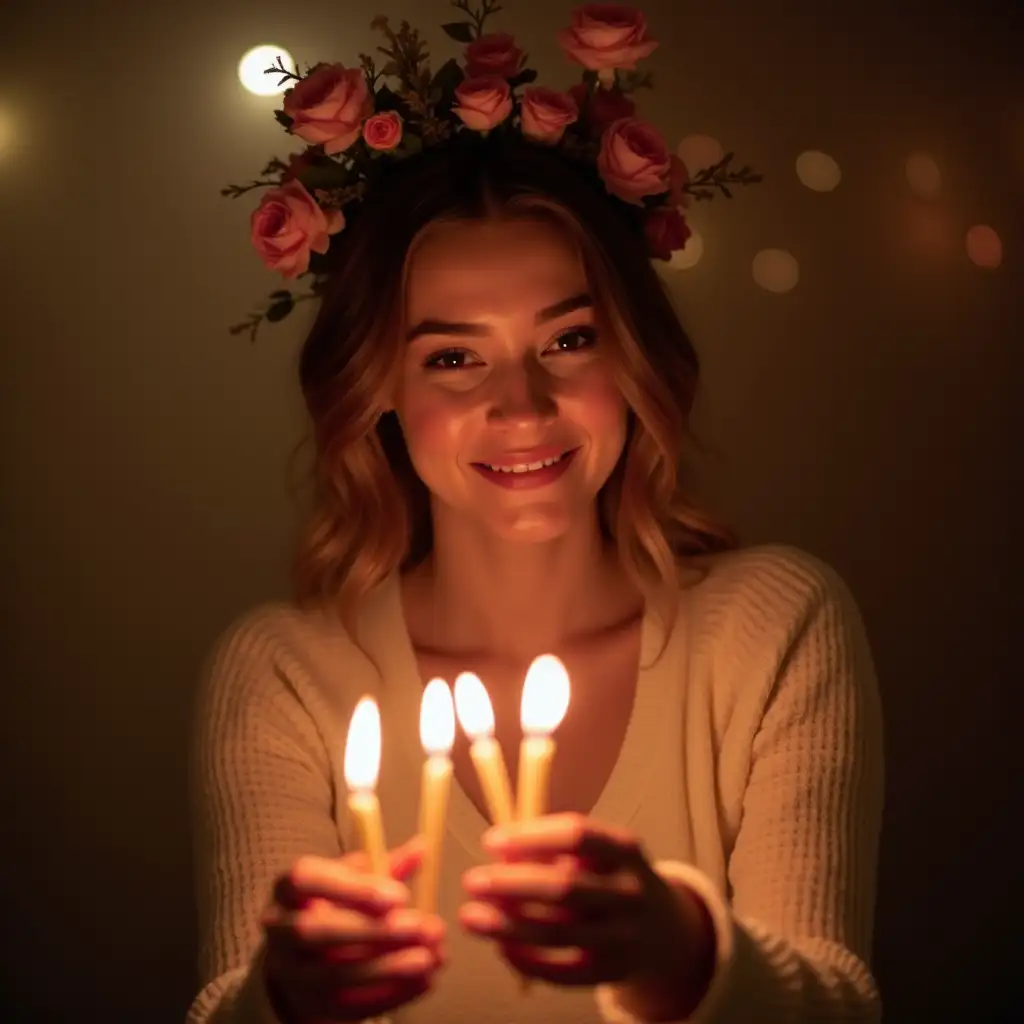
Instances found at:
x=473 y=706
x=437 y=718
x=545 y=696
x=255 y=62
x=362 y=748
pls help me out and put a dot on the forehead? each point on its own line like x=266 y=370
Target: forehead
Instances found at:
x=492 y=262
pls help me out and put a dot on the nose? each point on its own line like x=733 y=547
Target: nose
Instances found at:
x=522 y=395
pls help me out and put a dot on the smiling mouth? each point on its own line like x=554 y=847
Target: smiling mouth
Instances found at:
x=527 y=467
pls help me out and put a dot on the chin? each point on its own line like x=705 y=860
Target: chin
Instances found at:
x=532 y=525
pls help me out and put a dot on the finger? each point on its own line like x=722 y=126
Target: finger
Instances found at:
x=412 y=923
x=333 y=879
x=603 y=847
x=321 y=922
x=368 y=1001
x=572 y=967
x=564 y=882
x=402 y=860
x=405 y=859
x=488 y=921
x=341 y=935
x=323 y=981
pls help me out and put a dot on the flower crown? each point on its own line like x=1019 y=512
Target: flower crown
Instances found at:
x=356 y=120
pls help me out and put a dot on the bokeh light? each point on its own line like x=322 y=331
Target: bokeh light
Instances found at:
x=7 y=132
x=923 y=175
x=699 y=151
x=984 y=247
x=255 y=62
x=776 y=270
x=818 y=171
x=684 y=259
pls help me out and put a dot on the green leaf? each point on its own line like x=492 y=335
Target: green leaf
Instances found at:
x=460 y=31
x=282 y=118
x=324 y=173
x=524 y=77
x=385 y=99
x=282 y=293
x=447 y=76
x=411 y=144
x=280 y=309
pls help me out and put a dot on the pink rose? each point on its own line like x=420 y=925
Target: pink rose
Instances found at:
x=483 y=102
x=328 y=106
x=602 y=106
x=666 y=230
x=493 y=54
x=383 y=131
x=288 y=225
x=633 y=160
x=546 y=113
x=603 y=37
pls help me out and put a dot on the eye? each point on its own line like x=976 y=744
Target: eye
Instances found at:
x=448 y=359
x=575 y=339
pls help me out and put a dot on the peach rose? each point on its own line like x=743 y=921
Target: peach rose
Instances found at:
x=493 y=54
x=546 y=113
x=603 y=37
x=601 y=107
x=288 y=225
x=666 y=230
x=383 y=131
x=633 y=160
x=328 y=106
x=483 y=102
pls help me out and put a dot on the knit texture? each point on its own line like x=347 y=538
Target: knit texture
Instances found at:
x=751 y=770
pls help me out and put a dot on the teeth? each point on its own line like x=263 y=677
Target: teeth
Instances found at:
x=527 y=467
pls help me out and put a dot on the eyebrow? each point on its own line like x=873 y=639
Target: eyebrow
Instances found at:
x=553 y=312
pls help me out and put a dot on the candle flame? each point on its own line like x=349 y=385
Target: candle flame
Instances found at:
x=545 y=696
x=362 y=747
x=473 y=706
x=437 y=718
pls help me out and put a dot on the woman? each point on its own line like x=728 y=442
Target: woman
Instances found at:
x=500 y=394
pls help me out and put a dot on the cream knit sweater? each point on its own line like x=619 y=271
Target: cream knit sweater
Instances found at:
x=751 y=769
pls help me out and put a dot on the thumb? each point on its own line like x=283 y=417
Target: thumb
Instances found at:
x=402 y=860
x=405 y=859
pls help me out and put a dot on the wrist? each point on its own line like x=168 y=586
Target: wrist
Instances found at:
x=674 y=986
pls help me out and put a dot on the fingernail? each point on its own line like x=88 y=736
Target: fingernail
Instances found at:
x=494 y=838
x=418 y=959
x=475 y=879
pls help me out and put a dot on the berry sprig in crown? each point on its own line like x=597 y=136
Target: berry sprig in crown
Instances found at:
x=355 y=120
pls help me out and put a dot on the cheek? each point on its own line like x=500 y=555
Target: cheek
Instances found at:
x=434 y=423
x=599 y=408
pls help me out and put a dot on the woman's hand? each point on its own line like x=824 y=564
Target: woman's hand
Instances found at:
x=344 y=945
x=574 y=902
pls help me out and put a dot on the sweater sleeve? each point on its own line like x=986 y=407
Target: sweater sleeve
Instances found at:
x=794 y=941
x=262 y=797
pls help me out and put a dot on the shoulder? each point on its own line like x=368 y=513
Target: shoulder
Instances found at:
x=769 y=584
x=280 y=652
x=775 y=626
x=758 y=611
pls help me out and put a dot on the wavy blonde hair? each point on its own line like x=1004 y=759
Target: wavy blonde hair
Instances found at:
x=370 y=511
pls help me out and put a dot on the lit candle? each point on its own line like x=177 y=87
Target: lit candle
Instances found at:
x=545 y=702
x=437 y=734
x=362 y=767
x=476 y=716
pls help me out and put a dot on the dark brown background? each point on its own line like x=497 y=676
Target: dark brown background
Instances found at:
x=866 y=416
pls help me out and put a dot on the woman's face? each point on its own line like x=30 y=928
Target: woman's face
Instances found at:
x=505 y=369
